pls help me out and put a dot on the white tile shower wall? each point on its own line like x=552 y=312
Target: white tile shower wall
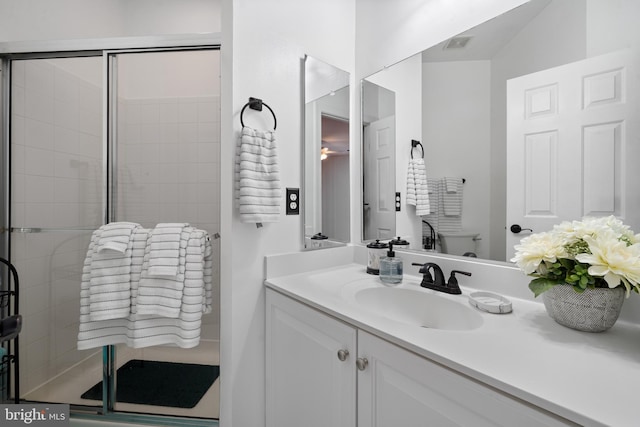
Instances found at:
x=56 y=183
x=169 y=169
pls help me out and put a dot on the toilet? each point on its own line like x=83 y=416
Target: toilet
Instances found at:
x=458 y=243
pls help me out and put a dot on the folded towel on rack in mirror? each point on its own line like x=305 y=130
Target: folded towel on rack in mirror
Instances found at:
x=417 y=187
x=452 y=196
x=451 y=184
x=258 y=187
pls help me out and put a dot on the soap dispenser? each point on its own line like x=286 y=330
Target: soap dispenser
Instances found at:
x=391 y=268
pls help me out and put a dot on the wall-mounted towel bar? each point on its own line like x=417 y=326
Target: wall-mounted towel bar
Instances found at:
x=257 y=104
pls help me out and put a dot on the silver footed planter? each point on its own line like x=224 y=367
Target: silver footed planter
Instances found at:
x=594 y=310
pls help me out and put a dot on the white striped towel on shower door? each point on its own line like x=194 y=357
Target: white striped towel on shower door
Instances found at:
x=110 y=290
x=144 y=330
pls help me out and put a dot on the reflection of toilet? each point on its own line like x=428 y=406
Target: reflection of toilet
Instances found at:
x=458 y=243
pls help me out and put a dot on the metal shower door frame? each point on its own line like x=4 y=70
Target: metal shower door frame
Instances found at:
x=108 y=49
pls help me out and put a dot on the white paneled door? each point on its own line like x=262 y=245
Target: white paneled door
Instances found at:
x=573 y=144
x=379 y=189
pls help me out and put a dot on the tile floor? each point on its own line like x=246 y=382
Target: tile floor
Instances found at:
x=67 y=387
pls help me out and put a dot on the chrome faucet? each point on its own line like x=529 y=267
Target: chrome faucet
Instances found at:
x=437 y=282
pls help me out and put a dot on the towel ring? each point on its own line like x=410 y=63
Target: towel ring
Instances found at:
x=414 y=144
x=256 y=104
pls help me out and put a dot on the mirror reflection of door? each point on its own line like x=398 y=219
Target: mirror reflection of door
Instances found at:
x=572 y=144
x=379 y=134
x=379 y=200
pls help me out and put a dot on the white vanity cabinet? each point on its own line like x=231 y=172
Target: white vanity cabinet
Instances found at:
x=308 y=384
x=400 y=388
x=310 y=371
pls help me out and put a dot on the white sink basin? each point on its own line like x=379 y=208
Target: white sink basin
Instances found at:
x=418 y=308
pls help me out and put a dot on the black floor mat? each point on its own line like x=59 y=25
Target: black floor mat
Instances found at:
x=177 y=385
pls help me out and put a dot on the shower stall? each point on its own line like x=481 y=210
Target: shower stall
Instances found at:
x=91 y=137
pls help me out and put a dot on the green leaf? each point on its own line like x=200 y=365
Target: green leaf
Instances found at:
x=541 y=285
x=578 y=289
x=567 y=263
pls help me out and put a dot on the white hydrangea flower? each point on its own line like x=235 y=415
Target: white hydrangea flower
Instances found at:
x=613 y=260
x=536 y=248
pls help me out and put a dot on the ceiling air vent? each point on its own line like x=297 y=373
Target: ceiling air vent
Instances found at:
x=458 y=42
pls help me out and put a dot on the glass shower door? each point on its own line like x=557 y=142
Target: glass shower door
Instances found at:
x=71 y=171
x=57 y=200
x=165 y=167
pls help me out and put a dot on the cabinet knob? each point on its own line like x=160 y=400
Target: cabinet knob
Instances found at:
x=343 y=354
x=361 y=363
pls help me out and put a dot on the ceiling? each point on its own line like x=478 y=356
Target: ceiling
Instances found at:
x=488 y=38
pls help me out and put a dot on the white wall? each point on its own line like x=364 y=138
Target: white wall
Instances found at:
x=153 y=17
x=81 y=19
x=268 y=38
x=612 y=25
x=456 y=100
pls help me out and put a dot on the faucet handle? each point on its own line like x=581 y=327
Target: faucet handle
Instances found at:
x=424 y=270
x=453 y=281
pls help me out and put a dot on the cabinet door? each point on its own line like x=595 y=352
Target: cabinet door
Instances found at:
x=307 y=383
x=400 y=388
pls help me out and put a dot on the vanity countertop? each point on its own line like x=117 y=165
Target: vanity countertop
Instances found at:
x=588 y=378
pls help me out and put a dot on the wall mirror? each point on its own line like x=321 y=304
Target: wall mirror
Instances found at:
x=325 y=188
x=488 y=108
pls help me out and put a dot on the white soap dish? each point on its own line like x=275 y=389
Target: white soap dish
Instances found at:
x=490 y=302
